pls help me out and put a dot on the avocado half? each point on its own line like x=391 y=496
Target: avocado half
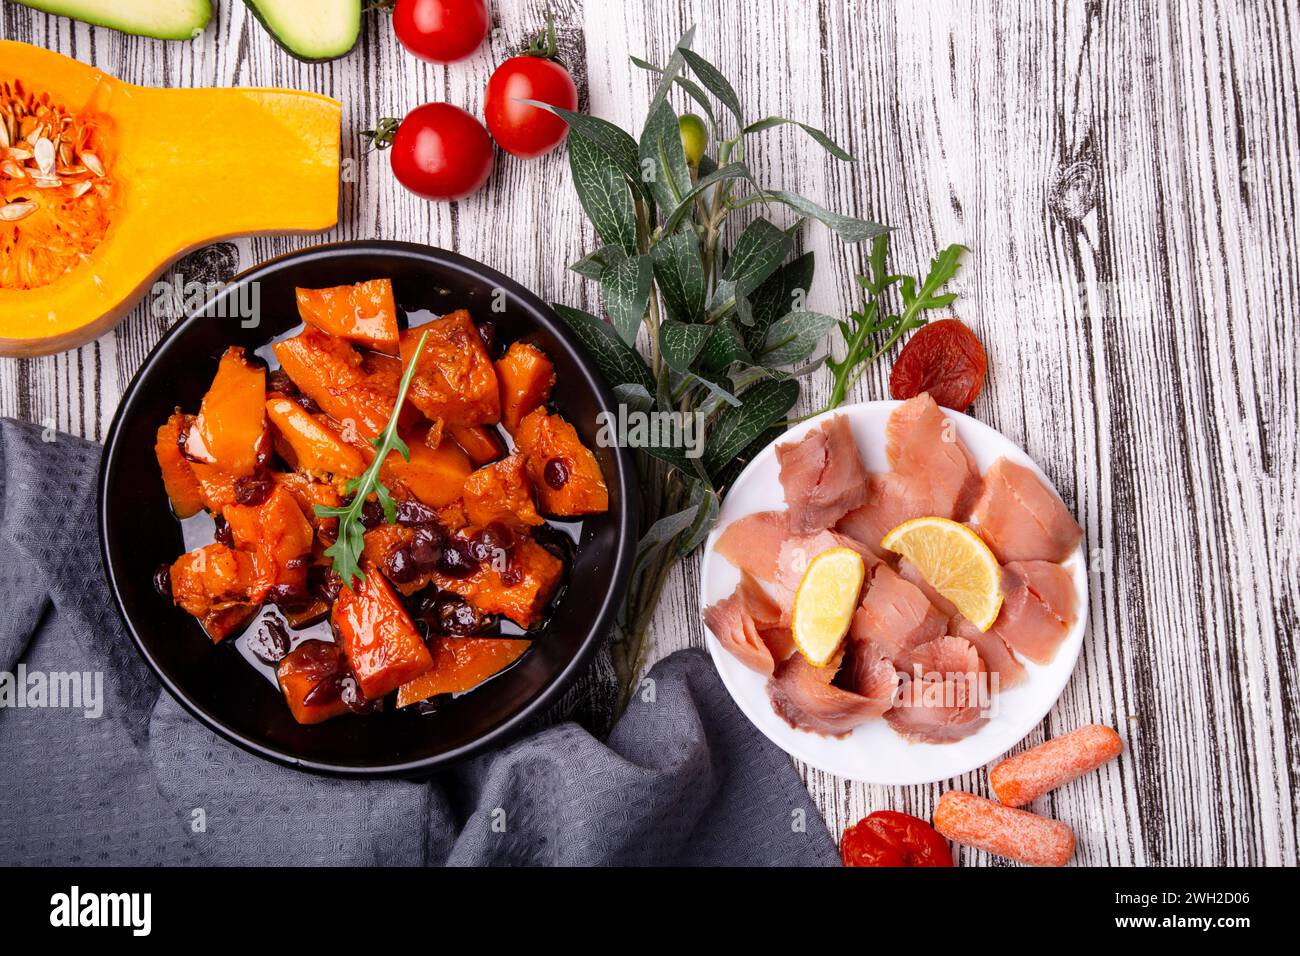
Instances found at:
x=160 y=19
x=311 y=30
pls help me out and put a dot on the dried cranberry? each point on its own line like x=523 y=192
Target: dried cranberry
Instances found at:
x=414 y=512
x=487 y=333
x=492 y=544
x=271 y=642
x=222 y=533
x=372 y=514
x=254 y=489
x=350 y=693
x=290 y=596
x=426 y=545
x=455 y=560
x=327 y=690
x=556 y=473
x=458 y=616
x=422 y=601
x=400 y=566
x=511 y=574
x=162 y=580
x=279 y=381
x=307 y=404
x=324 y=582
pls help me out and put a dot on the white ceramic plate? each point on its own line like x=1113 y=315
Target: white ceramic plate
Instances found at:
x=874 y=753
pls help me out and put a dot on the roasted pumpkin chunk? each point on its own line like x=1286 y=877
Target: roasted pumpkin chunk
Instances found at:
x=215 y=584
x=378 y=637
x=526 y=377
x=329 y=372
x=501 y=492
x=455 y=382
x=279 y=537
x=230 y=430
x=563 y=470
x=461 y=664
x=178 y=476
x=364 y=314
x=309 y=494
x=433 y=475
x=480 y=442
x=310 y=442
x=519 y=590
x=309 y=677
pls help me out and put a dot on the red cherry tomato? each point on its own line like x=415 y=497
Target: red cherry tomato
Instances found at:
x=528 y=131
x=945 y=359
x=888 y=838
x=441 y=152
x=441 y=31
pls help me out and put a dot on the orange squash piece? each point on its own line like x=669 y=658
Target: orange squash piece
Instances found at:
x=501 y=492
x=454 y=380
x=523 y=601
x=216 y=487
x=329 y=372
x=230 y=430
x=526 y=377
x=301 y=671
x=461 y=664
x=480 y=442
x=433 y=475
x=278 y=536
x=378 y=637
x=563 y=470
x=177 y=475
x=364 y=314
x=308 y=494
x=314 y=446
x=214 y=584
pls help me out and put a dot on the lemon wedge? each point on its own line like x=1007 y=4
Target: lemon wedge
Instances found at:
x=956 y=562
x=825 y=602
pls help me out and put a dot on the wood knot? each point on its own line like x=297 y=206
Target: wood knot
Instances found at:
x=1074 y=193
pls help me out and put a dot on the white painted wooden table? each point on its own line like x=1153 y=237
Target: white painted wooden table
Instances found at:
x=1125 y=176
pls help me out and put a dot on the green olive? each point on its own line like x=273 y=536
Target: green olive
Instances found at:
x=695 y=136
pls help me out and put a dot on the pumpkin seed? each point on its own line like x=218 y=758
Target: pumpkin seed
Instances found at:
x=16 y=211
x=91 y=162
x=44 y=153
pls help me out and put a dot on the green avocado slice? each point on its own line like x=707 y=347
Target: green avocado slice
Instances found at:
x=311 y=30
x=161 y=19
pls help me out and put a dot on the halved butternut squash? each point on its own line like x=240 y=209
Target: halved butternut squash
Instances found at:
x=144 y=176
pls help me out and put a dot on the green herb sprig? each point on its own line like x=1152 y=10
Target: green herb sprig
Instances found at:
x=863 y=332
x=345 y=552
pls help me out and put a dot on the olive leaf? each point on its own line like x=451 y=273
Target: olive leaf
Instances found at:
x=626 y=291
x=663 y=161
x=686 y=83
x=730 y=171
x=669 y=72
x=679 y=271
x=714 y=82
x=603 y=191
x=793 y=338
x=615 y=143
x=847 y=228
x=707 y=503
x=596 y=264
x=618 y=363
x=761 y=405
x=725 y=347
x=822 y=139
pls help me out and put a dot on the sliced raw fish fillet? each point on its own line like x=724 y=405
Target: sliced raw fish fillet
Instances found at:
x=822 y=475
x=891 y=500
x=797 y=552
x=1039 y=605
x=753 y=542
x=993 y=651
x=946 y=699
x=869 y=673
x=925 y=453
x=804 y=697
x=1021 y=519
x=741 y=624
x=911 y=573
x=896 y=618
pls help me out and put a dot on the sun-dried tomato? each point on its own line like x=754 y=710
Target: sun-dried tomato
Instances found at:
x=945 y=359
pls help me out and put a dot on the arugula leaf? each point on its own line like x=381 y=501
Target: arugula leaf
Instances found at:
x=345 y=552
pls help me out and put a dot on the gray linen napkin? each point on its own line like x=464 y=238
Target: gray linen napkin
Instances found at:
x=683 y=780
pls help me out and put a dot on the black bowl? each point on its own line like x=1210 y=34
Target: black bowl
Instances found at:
x=216 y=684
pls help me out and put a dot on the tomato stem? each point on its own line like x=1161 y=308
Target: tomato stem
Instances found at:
x=544 y=45
x=381 y=137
